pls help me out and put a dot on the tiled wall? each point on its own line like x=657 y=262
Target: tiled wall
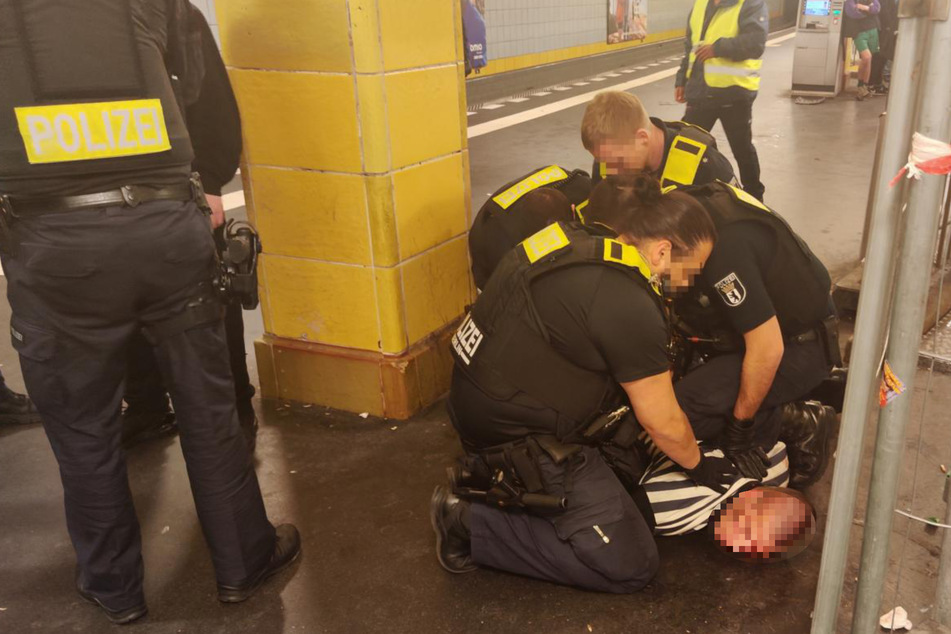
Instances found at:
x=522 y=27
x=208 y=8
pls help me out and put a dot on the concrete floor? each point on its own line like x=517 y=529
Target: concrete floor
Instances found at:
x=358 y=489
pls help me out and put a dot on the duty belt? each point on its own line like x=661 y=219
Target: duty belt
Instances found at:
x=129 y=196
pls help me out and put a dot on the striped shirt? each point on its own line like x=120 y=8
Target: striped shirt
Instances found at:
x=682 y=506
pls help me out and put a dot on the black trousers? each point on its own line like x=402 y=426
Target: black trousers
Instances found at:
x=600 y=542
x=737 y=120
x=81 y=285
x=145 y=390
x=707 y=394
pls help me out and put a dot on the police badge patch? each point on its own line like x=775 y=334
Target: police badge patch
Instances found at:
x=731 y=289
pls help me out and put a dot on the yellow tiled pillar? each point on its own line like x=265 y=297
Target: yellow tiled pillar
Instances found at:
x=356 y=175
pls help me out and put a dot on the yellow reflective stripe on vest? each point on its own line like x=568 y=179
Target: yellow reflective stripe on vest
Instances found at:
x=747 y=198
x=615 y=251
x=86 y=131
x=683 y=161
x=720 y=72
x=545 y=242
x=579 y=209
x=547 y=176
x=603 y=169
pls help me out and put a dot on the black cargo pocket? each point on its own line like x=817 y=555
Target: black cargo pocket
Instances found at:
x=59 y=261
x=32 y=342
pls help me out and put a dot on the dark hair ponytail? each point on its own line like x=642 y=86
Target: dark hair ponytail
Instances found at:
x=633 y=205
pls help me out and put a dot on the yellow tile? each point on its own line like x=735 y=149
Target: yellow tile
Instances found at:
x=312 y=214
x=422 y=35
x=436 y=287
x=463 y=101
x=285 y=34
x=467 y=179
x=322 y=302
x=424 y=115
x=389 y=294
x=430 y=204
x=374 y=132
x=334 y=380
x=263 y=288
x=298 y=119
x=267 y=378
x=382 y=220
x=365 y=31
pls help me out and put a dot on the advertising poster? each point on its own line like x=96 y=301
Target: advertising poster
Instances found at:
x=473 y=29
x=627 y=20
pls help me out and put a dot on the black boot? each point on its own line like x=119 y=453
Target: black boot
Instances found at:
x=118 y=617
x=286 y=550
x=807 y=428
x=16 y=409
x=449 y=517
x=140 y=424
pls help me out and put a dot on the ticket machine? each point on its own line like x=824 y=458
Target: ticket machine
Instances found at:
x=818 y=63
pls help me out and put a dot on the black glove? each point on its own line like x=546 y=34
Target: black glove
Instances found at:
x=715 y=473
x=737 y=444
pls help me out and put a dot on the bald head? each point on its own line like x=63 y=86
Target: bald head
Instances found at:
x=765 y=524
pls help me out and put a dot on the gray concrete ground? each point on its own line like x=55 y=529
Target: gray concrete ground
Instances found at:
x=359 y=489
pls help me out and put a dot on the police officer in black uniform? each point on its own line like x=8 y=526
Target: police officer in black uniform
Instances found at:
x=764 y=299
x=214 y=126
x=105 y=233
x=567 y=337
x=521 y=208
x=675 y=152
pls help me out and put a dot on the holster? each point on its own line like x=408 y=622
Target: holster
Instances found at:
x=829 y=336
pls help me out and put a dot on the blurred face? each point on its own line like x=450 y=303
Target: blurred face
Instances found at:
x=685 y=267
x=762 y=525
x=624 y=155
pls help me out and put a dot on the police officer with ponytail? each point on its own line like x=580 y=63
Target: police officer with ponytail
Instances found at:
x=561 y=362
x=105 y=233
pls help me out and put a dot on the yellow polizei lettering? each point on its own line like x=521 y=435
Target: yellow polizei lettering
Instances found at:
x=89 y=131
x=545 y=242
x=547 y=176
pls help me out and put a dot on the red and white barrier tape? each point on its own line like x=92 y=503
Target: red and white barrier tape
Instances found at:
x=928 y=156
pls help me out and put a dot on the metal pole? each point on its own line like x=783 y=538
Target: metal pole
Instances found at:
x=908 y=315
x=943 y=591
x=873 y=184
x=869 y=325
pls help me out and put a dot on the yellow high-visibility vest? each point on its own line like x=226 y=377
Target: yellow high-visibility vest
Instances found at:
x=720 y=72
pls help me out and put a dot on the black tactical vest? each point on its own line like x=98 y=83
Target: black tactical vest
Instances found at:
x=684 y=157
x=503 y=347
x=501 y=223
x=797 y=282
x=86 y=91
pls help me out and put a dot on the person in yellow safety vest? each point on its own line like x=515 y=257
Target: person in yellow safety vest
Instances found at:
x=719 y=76
x=623 y=138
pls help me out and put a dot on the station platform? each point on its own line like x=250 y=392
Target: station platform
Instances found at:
x=359 y=488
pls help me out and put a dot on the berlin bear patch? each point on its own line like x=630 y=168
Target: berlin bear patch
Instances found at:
x=731 y=289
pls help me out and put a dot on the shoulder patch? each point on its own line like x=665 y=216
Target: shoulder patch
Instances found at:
x=731 y=290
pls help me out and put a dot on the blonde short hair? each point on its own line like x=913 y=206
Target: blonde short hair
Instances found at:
x=610 y=115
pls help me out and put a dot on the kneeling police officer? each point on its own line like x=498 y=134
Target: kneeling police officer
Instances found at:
x=764 y=302
x=568 y=337
x=105 y=232
x=521 y=208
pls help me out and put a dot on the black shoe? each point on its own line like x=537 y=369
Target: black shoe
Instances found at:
x=286 y=550
x=806 y=430
x=452 y=537
x=140 y=425
x=118 y=617
x=16 y=409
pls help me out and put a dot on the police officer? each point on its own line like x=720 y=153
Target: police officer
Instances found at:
x=214 y=125
x=521 y=208
x=618 y=132
x=719 y=76
x=764 y=297
x=104 y=234
x=568 y=331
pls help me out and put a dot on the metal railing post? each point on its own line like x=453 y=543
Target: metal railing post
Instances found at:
x=913 y=281
x=870 y=324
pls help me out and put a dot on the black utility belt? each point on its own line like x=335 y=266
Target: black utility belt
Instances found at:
x=827 y=334
x=128 y=196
